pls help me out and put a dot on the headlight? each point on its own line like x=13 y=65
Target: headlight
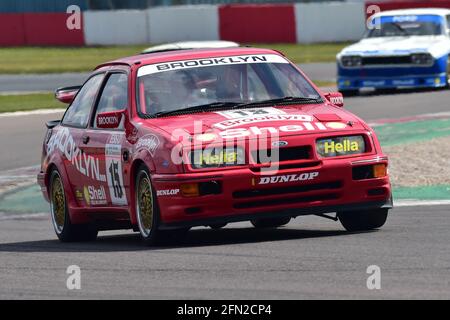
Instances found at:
x=340 y=146
x=217 y=157
x=422 y=59
x=351 y=61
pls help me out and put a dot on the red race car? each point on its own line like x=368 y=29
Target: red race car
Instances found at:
x=162 y=142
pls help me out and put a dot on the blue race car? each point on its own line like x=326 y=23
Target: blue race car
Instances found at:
x=402 y=49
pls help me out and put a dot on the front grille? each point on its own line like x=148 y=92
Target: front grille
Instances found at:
x=386 y=60
x=287 y=190
x=308 y=164
x=284 y=154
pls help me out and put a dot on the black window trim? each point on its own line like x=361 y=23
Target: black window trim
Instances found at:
x=93 y=105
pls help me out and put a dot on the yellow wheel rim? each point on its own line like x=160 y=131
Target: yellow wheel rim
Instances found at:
x=58 y=203
x=145 y=204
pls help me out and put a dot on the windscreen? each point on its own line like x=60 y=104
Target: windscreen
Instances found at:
x=410 y=25
x=179 y=85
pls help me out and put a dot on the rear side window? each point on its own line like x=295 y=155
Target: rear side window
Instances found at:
x=114 y=96
x=78 y=113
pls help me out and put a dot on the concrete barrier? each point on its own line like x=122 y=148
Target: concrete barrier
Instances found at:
x=302 y=22
x=183 y=23
x=116 y=27
x=329 y=21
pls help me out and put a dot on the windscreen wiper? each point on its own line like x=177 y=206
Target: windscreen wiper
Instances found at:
x=235 y=105
x=399 y=27
x=278 y=100
x=202 y=107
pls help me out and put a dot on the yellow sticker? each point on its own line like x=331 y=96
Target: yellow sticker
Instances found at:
x=335 y=125
x=87 y=197
x=206 y=137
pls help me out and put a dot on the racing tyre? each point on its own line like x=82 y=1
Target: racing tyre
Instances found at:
x=363 y=220
x=64 y=228
x=270 y=222
x=147 y=211
x=217 y=226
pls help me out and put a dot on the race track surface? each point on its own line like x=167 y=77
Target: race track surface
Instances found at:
x=310 y=258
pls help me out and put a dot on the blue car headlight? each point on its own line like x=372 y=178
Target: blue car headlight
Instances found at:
x=351 y=61
x=422 y=59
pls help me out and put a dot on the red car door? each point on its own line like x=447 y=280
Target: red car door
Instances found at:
x=82 y=169
x=108 y=145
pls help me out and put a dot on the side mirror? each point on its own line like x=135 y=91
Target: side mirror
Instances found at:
x=335 y=98
x=66 y=94
x=110 y=119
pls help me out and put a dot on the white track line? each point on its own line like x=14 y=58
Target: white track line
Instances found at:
x=23 y=216
x=419 y=117
x=27 y=113
x=415 y=203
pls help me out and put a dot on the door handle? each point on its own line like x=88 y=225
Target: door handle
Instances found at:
x=86 y=139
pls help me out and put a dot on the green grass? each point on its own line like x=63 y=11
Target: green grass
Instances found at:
x=61 y=59
x=10 y=103
x=57 y=60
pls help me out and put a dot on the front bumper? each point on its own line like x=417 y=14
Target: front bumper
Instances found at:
x=393 y=76
x=386 y=204
x=241 y=199
x=386 y=82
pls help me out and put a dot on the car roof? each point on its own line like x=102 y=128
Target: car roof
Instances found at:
x=184 y=45
x=419 y=11
x=167 y=56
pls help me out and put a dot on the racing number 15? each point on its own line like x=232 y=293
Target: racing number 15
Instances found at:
x=115 y=179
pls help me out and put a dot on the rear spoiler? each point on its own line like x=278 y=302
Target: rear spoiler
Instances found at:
x=52 y=123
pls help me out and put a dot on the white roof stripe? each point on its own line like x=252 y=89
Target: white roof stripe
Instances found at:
x=205 y=62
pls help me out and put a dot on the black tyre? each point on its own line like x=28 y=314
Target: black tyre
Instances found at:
x=216 y=226
x=64 y=228
x=147 y=210
x=363 y=220
x=270 y=222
